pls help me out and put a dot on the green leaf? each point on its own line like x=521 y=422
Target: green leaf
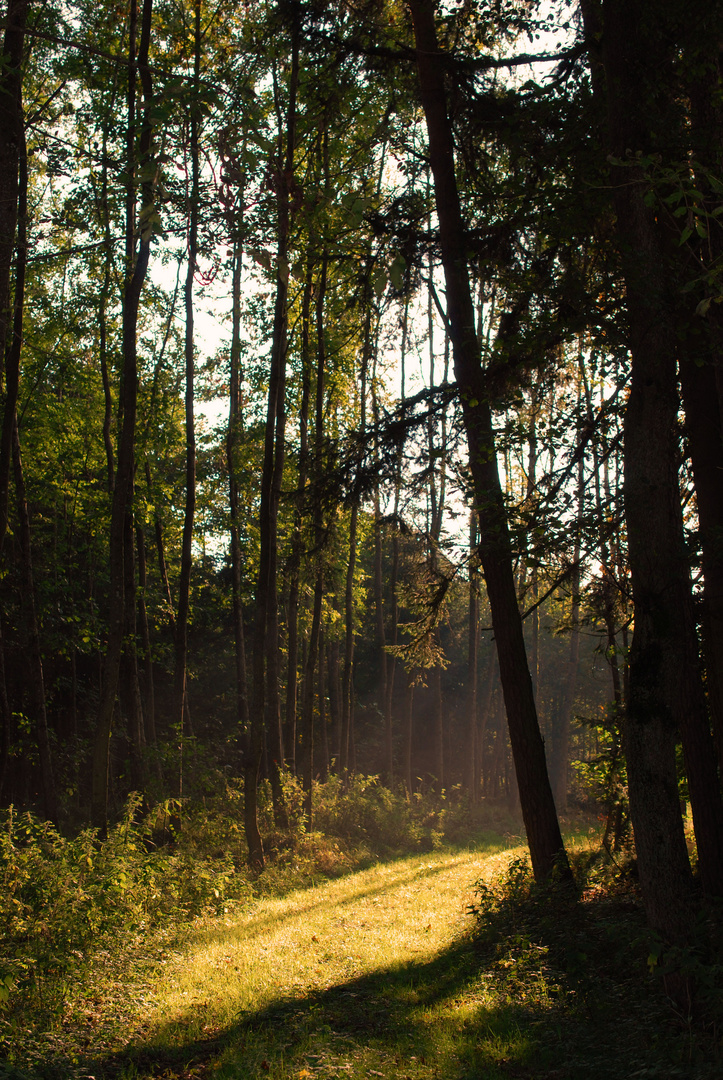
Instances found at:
x=685 y=235
x=379 y=282
x=396 y=272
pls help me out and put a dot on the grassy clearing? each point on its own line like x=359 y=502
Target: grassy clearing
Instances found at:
x=380 y=972
x=378 y=975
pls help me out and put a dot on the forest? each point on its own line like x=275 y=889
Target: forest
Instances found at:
x=361 y=494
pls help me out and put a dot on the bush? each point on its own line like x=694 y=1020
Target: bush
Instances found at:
x=62 y=899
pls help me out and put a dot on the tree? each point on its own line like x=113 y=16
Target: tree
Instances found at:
x=538 y=809
x=666 y=693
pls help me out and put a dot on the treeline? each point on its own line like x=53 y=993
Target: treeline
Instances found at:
x=423 y=505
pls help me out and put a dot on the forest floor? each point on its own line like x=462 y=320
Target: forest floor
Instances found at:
x=379 y=974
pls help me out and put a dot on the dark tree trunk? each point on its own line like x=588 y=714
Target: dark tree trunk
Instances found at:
x=470 y=749
x=347 y=701
x=136 y=269
x=5 y=722
x=182 y=712
x=149 y=701
x=297 y=544
x=332 y=652
x=701 y=361
x=265 y=706
x=665 y=687
x=538 y=808
x=12 y=148
x=130 y=691
x=233 y=439
x=36 y=687
x=323 y=726
x=407 y=735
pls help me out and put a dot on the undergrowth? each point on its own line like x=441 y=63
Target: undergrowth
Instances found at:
x=69 y=903
x=600 y=972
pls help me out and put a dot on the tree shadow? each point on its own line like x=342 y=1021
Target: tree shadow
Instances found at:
x=453 y=1016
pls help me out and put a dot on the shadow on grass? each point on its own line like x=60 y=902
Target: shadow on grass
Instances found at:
x=453 y=1017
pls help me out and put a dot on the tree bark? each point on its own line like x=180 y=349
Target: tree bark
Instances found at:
x=182 y=712
x=547 y=851
x=665 y=688
x=12 y=144
x=233 y=438
x=128 y=402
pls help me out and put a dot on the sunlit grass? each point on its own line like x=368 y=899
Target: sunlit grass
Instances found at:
x=376 y=974
x=314 y=939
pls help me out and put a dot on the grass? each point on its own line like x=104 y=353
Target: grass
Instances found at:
x=383 y=972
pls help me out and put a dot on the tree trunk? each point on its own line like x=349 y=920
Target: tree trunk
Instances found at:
x=470 y=772
x=297 y=544
x=128 y=402
x=182 y=712
x=265 y=711
x=233 y=439
x=538 y=808
x=149 y=700
x=12 y=149
x=129 y=685
x=665 y=688
x=32 y=639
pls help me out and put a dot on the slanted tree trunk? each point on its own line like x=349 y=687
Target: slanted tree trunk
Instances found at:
x=538 y=808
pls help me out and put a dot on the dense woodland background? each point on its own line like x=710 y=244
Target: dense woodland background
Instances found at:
x=343 y=344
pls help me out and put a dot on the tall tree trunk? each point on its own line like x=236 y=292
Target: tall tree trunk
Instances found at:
x=130 y=681
x=665 y=685
x=701 y=346
x=13 y=356
x=538 y=808
x=297 y=544
x=332 y=666
x=233 y=440
x=315 y=647
x=6 y=717
x=137 y=266
x=32 y=638
x=323 y=726
x=12 y=144
x=149 y=700
x=407 y=735
x=182 y=712
x=265 y=710
x=347 y=699
x=470 y=747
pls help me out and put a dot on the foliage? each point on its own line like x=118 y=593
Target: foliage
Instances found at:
x=594 y=958
x=62 y=900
